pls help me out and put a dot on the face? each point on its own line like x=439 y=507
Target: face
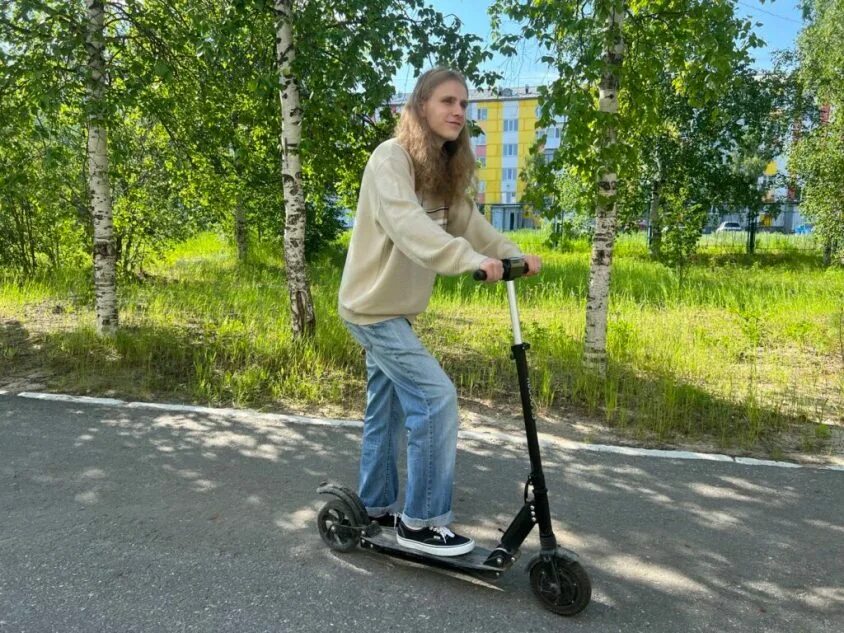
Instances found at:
x=445 y=110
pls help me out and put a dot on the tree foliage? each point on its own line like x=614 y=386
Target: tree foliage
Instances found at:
x=693 y=114
x=674 y=50
x=816 y=158
x=193 y=116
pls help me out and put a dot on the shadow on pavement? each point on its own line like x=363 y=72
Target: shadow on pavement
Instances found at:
x=162 y=521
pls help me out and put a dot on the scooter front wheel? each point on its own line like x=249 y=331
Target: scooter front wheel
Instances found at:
x=562 y=586
x=336 y=526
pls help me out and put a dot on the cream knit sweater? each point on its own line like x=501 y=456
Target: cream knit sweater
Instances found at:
x=400 y=243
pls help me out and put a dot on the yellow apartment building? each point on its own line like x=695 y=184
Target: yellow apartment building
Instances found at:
x=508 y=120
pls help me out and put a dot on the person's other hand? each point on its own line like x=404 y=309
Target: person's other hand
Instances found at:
x=494 y=269
x=534 y=265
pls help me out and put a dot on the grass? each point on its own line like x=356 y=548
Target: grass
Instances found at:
x=735 y=350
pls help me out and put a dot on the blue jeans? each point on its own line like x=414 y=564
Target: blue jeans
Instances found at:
x=406 y=387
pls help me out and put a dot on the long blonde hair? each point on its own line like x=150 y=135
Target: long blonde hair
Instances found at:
x=445 y=171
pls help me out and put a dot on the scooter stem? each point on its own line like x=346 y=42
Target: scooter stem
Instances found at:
x=514 y=312
x=539 y=507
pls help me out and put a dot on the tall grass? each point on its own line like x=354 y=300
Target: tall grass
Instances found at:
x=732 y=349
x=728 y=350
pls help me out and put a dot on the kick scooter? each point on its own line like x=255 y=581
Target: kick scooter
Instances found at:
x=556 y=576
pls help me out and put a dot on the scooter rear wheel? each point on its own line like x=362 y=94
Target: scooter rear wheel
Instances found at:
x=562 y=586
x=335 y=522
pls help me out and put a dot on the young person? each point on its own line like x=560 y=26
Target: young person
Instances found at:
x=415 y=220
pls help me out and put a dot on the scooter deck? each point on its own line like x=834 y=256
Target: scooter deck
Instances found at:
x=471 y=563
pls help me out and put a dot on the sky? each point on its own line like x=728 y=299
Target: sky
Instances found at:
x=780 y=23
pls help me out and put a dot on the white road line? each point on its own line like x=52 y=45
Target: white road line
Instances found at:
x=65 y=398
x=483 y=436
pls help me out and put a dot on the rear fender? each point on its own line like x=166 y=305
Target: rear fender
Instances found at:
x=349 y=497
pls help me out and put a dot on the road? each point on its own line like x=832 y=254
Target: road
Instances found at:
x=118 y=519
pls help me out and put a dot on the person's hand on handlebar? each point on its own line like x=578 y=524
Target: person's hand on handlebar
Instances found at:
x=534 y=265
x=493 y=268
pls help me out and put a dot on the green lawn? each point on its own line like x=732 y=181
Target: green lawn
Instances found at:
x=733 y=350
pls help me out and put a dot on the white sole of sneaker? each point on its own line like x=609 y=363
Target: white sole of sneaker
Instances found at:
x=436 y=550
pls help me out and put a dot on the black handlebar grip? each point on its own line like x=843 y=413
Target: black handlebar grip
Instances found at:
x=513 y=268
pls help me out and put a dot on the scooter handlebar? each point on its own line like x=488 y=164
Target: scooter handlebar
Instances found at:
x=514 y=268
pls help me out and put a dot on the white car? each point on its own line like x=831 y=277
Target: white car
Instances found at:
x=728 y=226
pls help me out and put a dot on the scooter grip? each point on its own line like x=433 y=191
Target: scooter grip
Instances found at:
x=480 y=275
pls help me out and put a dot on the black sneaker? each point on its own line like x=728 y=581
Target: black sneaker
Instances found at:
x=439 y=541
x=385 y=520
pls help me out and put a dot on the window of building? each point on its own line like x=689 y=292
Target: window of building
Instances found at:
x=482 y=186
x=511 y=149
x=482 y=114
x=508 y=197
x=482 y=161
x=480 y=139
x=511 y=125
x=508 y=174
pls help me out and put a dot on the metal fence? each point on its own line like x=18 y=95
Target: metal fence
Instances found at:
x=764 y=241
x=780 y=229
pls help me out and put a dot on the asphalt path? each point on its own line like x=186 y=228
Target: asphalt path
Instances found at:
x=118 y=519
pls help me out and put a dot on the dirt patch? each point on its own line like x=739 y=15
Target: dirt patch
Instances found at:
x=20 y=363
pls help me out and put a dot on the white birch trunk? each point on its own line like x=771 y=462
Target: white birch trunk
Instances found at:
x=301 y=305
x=99 y=192
x=597 y=301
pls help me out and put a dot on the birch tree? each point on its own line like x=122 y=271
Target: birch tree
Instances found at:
x=105 y=279
x=301 y=303
x=697 y=43
x=71 y=76
x=597 y=300
x=333 y=92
